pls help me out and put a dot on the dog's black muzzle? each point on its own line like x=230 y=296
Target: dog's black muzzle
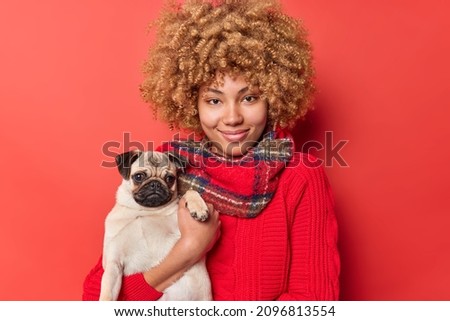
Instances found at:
x=152 y=194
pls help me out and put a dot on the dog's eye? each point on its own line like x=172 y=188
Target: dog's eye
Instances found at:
x=170 y=179
x=139 y=177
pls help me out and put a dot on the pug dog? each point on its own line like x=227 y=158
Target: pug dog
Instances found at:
x=142 y=227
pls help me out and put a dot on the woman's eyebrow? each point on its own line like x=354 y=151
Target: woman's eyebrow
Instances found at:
x=243 y=90
x=216 y=91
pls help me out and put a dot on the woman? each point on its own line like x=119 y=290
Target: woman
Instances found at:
x=238 y=73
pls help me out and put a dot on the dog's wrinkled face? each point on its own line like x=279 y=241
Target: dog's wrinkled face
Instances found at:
x=152 y=177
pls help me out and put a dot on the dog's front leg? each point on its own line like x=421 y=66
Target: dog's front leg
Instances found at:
x=111 y=282
x=196 y=205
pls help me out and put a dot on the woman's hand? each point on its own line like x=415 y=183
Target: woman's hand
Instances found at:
x=197 y=237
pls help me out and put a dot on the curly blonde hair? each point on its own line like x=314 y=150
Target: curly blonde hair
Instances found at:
x=198 y=40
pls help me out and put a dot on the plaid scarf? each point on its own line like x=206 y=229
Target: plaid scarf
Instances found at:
x=241 y=187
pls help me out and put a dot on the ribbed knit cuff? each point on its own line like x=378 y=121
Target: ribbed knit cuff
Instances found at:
x=135 y=288
x=92 y=283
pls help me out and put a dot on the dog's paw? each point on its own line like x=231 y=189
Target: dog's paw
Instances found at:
x=196 y=206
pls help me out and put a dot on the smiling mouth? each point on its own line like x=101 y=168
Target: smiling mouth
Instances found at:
x=234 y=135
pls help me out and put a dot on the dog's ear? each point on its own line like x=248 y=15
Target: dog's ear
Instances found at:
x=179 y=161
x=125 y=160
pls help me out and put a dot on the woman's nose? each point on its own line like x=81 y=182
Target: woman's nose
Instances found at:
x=232 y=115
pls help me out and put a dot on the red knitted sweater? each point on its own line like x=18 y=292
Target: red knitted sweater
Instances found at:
x=288 y=252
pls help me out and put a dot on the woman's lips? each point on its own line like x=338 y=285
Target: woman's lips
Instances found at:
x=234 y=136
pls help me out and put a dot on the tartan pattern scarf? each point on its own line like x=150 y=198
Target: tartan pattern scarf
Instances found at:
x=241 y=187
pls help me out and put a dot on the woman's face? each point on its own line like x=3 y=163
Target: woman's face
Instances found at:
x=232 y=116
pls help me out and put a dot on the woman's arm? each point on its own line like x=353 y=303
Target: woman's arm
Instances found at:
x=196 y=239
x=315 y=264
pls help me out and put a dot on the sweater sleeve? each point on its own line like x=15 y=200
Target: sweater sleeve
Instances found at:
x=315 y=264
x=134 y=287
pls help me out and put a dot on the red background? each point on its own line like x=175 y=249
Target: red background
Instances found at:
x=69 y=76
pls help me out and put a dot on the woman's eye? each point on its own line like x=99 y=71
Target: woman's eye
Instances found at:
x=213 y=101
x=139 y=177
x=250 y=99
